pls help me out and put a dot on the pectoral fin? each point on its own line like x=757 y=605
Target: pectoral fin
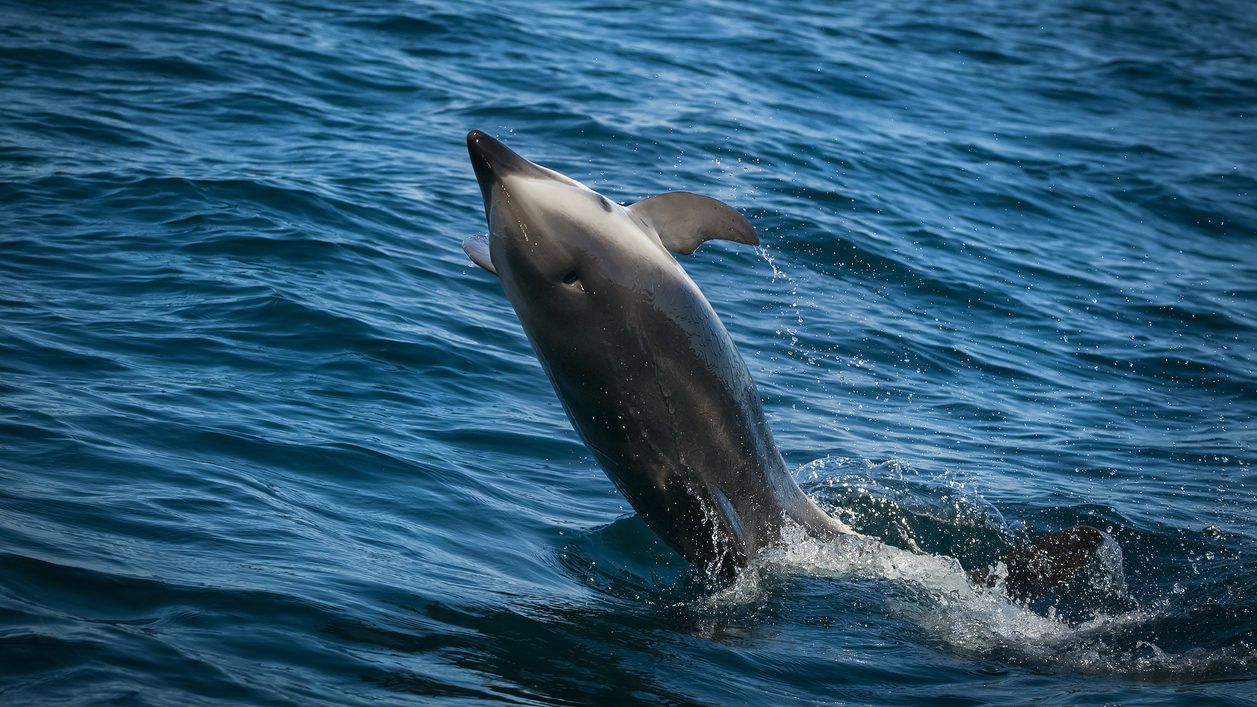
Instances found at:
x=1037 y=567
x=477 y=248
x=685 y=221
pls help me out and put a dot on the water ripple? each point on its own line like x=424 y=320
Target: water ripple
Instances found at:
x=267 y=437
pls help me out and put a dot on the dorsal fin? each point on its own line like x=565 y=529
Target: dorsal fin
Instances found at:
x=685 y=221
x=477 y=248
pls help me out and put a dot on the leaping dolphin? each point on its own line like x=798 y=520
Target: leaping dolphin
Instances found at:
x=646 y=371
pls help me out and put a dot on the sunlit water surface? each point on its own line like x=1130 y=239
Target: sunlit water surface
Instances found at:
x=267 y=437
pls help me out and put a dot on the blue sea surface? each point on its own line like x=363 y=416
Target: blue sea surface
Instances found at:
x=266 y=436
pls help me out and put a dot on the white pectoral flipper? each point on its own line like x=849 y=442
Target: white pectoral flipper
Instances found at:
x=684 y=221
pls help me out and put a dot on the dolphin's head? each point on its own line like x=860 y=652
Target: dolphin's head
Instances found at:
x=571 y=260
x=550 y=235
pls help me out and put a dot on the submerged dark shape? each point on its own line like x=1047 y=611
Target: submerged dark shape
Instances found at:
x=646 y=371
x=1039 y=565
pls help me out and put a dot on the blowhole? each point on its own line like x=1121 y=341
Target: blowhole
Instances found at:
x=571 y=278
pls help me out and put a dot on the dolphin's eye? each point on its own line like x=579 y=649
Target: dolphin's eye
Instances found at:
x=606 y=205
x=571 y=278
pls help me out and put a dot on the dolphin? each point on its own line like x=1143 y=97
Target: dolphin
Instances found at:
x=647 y=373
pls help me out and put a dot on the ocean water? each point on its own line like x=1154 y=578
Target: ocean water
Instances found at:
x=266 y=437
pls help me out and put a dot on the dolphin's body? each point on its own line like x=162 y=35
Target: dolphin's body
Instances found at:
x=645 y=369
x=647 y=373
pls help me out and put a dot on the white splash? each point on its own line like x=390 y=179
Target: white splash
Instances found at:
x=978 y=621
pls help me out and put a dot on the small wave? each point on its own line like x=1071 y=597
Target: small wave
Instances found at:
x=400 y=25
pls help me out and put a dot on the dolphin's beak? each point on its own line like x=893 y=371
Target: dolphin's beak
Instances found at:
x=492 y=161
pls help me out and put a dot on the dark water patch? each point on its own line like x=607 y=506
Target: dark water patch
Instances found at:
x=1185 y=314
x=81 y=128
x=405 y=26
x=297 y=250
x=31 y=356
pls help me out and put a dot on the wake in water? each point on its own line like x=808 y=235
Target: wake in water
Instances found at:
x=935 y=593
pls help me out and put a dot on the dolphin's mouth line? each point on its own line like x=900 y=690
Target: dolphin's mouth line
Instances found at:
x=508 y=201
